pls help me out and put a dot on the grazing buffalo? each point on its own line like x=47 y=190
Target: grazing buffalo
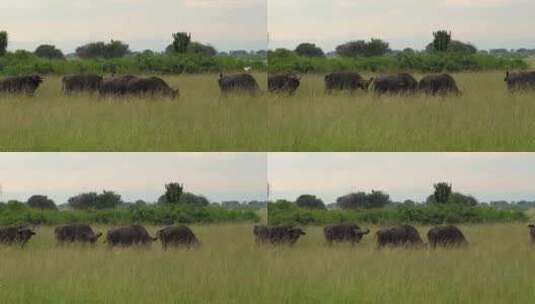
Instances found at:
x=402 y=83
x=532 y=233
x=520 y=80
x=150 y=86
x=128 y=236
x=76 y=233
x=344 y=233
x=15 y=235
x=348 y=81
x=283 y=83
x=446 y=236
x=82 y=83
x=177 y=236
x=402 y=235
x=20 y=84
x=116 y=86
x=440 y=84
x=282 y=234
x=244 y=83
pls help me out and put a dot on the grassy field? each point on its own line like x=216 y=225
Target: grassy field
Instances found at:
x=227 y=268
x=199 y=121
x=485 y=118
x=497 y=267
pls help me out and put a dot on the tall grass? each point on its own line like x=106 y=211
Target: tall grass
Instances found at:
x=486 y=118
x=201 y=120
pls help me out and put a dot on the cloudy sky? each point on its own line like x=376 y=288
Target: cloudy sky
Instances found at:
x=487 y=176
x=144 y=24
x=404 y=23
x=218 y=176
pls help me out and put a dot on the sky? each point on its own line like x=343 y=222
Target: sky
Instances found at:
x=403 y=23
x=487 y=176
x=218 y=176
x=143 y=24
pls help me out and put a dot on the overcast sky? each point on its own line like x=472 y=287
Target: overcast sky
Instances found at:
x=404 y=23
x=144 y=24
x=218 y=176
x=487 y=176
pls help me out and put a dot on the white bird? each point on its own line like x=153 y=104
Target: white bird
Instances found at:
x=247 y=69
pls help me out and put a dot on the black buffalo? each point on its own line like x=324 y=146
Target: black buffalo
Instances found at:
x=520 y=80
x=177 y=236
x=76 y=233
x=532 y=233
x=21 y=84
x=344 y=233
x=286 y=83
x=401 y=83
x=446 y=236
x=20 y=235
x=439 y=84
x=348 y=81
x=82 y=83
x=128 y=236
x=402 y=235
x=150 y=86
x=243 y=83
x=116 y=86
x=281 y=234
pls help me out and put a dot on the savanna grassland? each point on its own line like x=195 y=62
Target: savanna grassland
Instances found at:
x=227 y=268
x=497 y=267
x=200 y=120
x=485 y=118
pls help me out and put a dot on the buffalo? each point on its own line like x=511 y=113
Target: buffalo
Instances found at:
x=440 y=84
x=446 y=236
x=532 y=233
x=76 y=233
x=177 y=236
x=282 y=234
x=344 y=233
x=82 y=83
x=20 y=84
x=283 y=83
x=15 y=235
x=520 y=80
x=116 y=86
x=150 y=86
x=401 y=83
x=128 y=236
x=402 y=235
x=243 y=83
x=348 y=81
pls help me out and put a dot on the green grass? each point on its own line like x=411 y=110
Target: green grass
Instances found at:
x=199 y=121
x=485 y=118
x=227 y=268
x=497 y=267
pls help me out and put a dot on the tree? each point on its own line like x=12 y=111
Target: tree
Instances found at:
x=41 y=202
x=441 y=41
x=461 y=47
x=83 y=200
x=309 y=201
x=409 y=203
x=3 y=43
x=378 y=199
x=49 y=51
x=181 y=41
x=375 y=47
x=114 y=49
x=173 y=192
x=230 y=204
x=107 y=200
x=309 y=50
x=375 y=199
x=191 y=199
x=201 y=49
x=442 y=193
x=462 y=199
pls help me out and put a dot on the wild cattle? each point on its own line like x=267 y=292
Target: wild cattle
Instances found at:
x=402 y=235
x=116 y=86
x=128 y=236
x=243 y=83
x=520 y=80
x=15 y=235
x=532 y=233
x=82 y=83
x=286 y=83
x=446 y=236
x=282 y=234
x=348 y=81
x=344 y=233
x=150 y=86
x=177 y=236
x=20 y=84
x=402 y=83
x=76 y=233
x=440 y=84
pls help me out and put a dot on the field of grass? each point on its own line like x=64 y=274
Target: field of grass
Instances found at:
x=199 y=121
x=227 y=268
x=497 y=267
x=485 y=118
